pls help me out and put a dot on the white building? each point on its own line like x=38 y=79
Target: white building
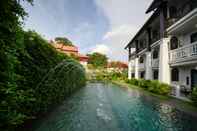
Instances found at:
x=166 y=45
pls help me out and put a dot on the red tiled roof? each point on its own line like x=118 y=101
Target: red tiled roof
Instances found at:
x=83 y=57
x=70 y=48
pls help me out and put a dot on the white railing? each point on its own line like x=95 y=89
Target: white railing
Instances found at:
x=141 y=66
x=155 y=63
x=183 y=53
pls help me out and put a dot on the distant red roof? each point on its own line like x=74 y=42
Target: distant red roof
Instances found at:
x=83 y=58
x=117 y=65
x=70 y=48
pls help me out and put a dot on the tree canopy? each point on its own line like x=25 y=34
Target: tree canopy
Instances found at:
x=64 y=41
x=97 y=59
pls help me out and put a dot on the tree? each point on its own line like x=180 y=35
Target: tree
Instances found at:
x=97 y=60
x=64 y=40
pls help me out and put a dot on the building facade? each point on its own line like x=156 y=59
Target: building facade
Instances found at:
x=165 y=48
x=71 y=51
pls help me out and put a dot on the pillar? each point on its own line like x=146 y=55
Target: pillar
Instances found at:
x=164 y=68
x=148 y=67
x=136 y=68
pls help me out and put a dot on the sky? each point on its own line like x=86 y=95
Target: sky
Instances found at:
x=104 y=26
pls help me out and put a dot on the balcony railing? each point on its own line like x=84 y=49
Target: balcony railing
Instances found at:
x=184 y=53
x=181 y=12
x=141 y=65
x=155 y=63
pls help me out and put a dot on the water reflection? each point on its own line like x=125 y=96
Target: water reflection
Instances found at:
x=105 y=107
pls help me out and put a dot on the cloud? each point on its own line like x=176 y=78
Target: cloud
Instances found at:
x=125 y=18
x=119 y=31
x=101 y=48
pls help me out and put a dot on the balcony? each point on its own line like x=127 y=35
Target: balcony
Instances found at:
x=155 y=63
x=186 y=8
x=184 y=55
x=184 y=25
x=141 y=66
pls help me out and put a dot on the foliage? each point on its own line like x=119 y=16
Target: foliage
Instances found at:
x=41 y=78
x=97 y=60
x=194 y=95
x=26 y=59
x=64 y=41
x=152 y=86
x=75 y=57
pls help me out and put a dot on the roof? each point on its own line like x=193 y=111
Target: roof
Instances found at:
x=70 y=48
x=154 y=5
x=83 y=57
x=117 y=64
x=151 y=18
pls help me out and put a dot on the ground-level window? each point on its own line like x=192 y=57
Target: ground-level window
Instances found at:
x=133 y=75
x=175 y=74
x=155 y=74
x=194 y=37
x=142 y=74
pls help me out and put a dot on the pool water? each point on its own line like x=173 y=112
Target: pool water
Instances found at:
x=107 y=107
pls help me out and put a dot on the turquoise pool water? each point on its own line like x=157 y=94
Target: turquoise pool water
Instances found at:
x=107 y=107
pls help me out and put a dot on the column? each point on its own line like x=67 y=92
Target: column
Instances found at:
x=130 y=69
x=164 y=68
x=148 y=67
x=130 y=64
x=136 y=68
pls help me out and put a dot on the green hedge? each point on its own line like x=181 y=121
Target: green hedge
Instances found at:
x=40 y=77
x=152 y=86
x=194 y=95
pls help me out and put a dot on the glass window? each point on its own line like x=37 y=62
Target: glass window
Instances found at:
x=173 y=12
x=155 y=74
x=194 y=37
x=142 y=74
x=174 y=43
x=155 y=54
x=175 y=74
x=141 y=60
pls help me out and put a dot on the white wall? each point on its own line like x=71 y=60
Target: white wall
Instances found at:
x=185 y=39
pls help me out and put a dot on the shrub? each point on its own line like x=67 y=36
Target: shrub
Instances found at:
x=194 y=95
x=43 y=78
x=132 y=82
x=152 y=86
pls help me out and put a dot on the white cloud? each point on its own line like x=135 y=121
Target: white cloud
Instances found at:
x=118 y=31
x=101 y=48
x=125 y=18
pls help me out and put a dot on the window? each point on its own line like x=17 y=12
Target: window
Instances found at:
x=142 y=74
x=175 y=74
x=141 y=60
x=155 y=54
x=133 y=75
x=155 y=74
x=194 y=37
x=187 y=80
x=173 y=12
x=174 y=43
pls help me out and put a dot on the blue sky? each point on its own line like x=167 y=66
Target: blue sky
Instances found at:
x=104 y=26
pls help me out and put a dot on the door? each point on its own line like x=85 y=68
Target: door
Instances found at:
x=193 y=78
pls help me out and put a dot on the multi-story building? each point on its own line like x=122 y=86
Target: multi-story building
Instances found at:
x=165 y=48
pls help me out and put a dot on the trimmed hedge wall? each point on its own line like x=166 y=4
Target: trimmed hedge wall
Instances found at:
x=152 y=86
